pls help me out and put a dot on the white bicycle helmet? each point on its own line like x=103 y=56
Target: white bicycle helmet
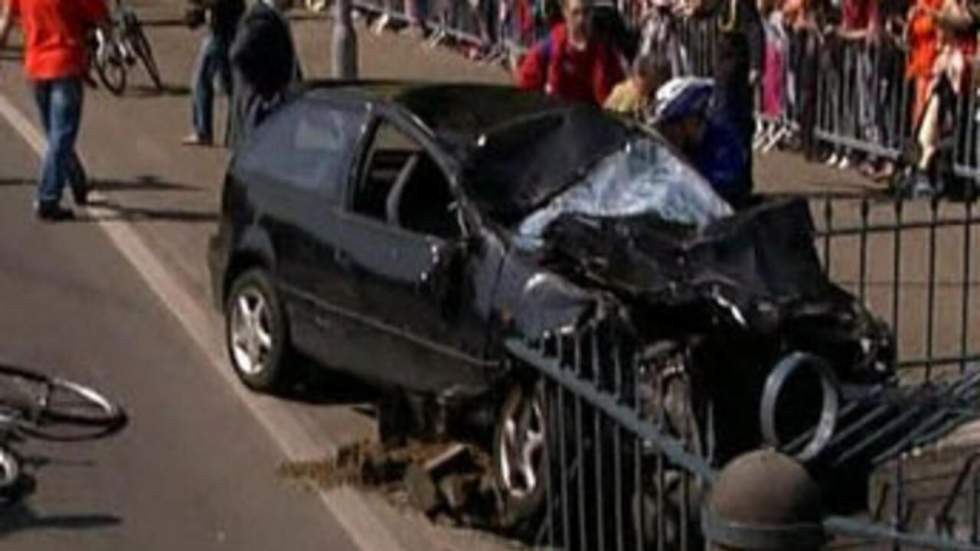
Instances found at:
x=681 y=97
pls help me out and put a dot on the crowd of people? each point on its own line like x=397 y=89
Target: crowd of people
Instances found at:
x=709 y=119
x=888 y=75
x=874 y=76
x=879 y=78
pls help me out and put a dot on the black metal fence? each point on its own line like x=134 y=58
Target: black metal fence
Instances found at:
x=912 y=263
x=622 y=472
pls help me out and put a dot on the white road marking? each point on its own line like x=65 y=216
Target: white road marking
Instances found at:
x=347 y=506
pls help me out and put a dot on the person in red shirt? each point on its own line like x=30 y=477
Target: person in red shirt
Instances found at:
x=572 y=63
x=55 y=60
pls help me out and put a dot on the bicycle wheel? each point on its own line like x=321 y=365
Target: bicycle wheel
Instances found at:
x=110 y=67
x=58 y=409
x=141 y=45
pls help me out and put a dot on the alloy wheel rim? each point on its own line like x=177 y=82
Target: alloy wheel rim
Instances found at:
x=522 y=442
x=251 y=332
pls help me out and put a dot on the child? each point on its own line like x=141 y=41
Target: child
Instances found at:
x=633 y=95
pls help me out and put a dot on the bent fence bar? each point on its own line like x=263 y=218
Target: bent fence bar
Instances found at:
x=617 y=475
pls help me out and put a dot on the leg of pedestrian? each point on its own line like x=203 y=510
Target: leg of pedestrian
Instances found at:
x=62 y=100
x=203 y=94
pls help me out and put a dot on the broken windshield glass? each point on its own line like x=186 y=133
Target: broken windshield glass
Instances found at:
x=644 y=178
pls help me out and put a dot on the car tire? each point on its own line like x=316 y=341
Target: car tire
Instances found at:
x=519 y=454
x=256 y=333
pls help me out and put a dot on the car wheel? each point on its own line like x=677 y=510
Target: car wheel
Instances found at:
x=519 y=453
x=255 y=331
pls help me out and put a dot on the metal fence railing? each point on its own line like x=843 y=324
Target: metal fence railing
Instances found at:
x=623 y=473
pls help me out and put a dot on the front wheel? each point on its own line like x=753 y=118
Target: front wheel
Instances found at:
x=141 y=45
x=519 y=454
x=255 y=332
x=110 y=65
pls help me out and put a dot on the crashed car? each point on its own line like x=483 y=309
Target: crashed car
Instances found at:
x=404 y=233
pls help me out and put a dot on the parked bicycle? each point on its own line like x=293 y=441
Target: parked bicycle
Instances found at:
x=35 y=405
x=121 y=45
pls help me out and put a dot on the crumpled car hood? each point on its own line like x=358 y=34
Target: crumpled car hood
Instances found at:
x=759 y=259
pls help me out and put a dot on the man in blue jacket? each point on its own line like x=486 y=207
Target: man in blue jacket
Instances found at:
x=691 y=114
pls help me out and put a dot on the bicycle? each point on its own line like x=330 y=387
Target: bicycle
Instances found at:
x=35 y=405
x=119 y=46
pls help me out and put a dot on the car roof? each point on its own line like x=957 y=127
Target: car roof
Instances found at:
x=454 y=111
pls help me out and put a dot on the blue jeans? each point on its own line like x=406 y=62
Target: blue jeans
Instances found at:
x=212 y=61
x=60 y=104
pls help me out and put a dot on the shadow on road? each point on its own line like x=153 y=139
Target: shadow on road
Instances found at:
x=317 y=385
x=22 y=518
x=116 y=211
x=169 y=90
x=16 y=514
x=13 y=182
x=141 y=183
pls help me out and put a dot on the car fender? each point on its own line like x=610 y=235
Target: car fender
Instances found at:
x=254 y=249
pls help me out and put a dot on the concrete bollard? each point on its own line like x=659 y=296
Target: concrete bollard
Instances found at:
x=764 y=501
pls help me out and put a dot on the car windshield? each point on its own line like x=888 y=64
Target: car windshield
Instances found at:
x=643 y=178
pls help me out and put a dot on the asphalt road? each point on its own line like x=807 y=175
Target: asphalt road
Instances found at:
x=193 y=470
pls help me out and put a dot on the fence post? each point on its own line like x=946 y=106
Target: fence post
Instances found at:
x=344 y=42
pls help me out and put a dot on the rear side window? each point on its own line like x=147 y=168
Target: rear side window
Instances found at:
x=308 y=145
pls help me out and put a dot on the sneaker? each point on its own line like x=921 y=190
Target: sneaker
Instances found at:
x=381 y=24
x=50 y=211
x=916 y=186
x=886 y=171
x=844 y=163
x=922 y=189
x=196 y=140
x=832 y=160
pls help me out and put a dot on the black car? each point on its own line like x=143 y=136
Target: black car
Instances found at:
x=402 y=232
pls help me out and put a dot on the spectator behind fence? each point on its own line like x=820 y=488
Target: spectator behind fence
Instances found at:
x=660 y=35
x=939 y=126
x=921 y=39
x=801 y=16
x=634 y=95
x=572 y=63
x=264 y=65
x=860 y=31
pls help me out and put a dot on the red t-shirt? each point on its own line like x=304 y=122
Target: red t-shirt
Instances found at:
x=54 y=35
x=561 y=70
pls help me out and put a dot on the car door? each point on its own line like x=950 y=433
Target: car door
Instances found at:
x=304 y=156
x=411 y=320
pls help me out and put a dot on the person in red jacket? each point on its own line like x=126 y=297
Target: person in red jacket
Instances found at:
x=56 y=59
x=573 y=63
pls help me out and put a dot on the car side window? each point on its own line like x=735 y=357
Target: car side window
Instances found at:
x=309 y=145
x=403 y=186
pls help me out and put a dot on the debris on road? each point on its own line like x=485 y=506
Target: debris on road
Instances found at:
x=449 y=482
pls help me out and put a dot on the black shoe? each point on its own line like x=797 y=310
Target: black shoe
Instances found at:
x=79 y=192
x=53 y=212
